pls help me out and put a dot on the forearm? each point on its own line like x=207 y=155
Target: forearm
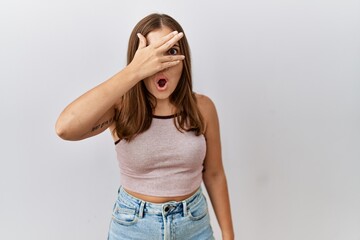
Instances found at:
x=216 y=186
x=84 y=113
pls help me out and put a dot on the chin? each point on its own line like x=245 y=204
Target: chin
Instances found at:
x=162 y=96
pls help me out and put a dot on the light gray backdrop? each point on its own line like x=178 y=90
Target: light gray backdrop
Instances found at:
x=284 y=76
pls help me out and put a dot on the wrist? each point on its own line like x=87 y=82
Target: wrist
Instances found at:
x=131 y=74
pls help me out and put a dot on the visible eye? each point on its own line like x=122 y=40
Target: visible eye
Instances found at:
x=173 y=51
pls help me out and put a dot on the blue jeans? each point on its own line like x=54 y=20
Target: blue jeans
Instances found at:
x=134 y=218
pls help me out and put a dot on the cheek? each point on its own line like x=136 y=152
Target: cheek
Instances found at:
x=147 y=83
x=181 y=66
x=177 y=70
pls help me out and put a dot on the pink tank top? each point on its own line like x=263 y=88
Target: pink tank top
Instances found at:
x=162 y=161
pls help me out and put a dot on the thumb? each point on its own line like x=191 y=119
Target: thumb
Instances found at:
x=142 y=41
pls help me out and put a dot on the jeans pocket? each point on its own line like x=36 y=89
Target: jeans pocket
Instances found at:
x=199 y=210
x=123 y=214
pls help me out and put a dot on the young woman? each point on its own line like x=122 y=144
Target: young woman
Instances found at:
x=166 y=137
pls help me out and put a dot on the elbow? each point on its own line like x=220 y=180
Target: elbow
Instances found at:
x=63 y=130
x=214 y=176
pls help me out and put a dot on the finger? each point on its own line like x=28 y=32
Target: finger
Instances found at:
x=169 y=64
x=172 y=58
x=167 y=45
x=164 y=39
x=142 y=41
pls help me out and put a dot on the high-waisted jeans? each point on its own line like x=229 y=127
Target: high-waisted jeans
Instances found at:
x=134 y=218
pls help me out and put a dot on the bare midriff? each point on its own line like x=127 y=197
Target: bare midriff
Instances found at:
x=154 y=199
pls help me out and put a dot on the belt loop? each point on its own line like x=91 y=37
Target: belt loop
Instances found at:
x=141 y=210
x=184 y=208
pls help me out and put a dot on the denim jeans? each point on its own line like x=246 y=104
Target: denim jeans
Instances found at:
x=134 y=218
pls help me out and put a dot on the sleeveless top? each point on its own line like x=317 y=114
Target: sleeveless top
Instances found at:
x=162 y=161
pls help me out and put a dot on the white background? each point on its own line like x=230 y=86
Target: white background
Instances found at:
x=284 y=75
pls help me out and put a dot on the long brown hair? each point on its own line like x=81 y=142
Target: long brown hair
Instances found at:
x=134 y=114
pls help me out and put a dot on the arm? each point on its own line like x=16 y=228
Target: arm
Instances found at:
x=80 y=118
x=214 y=174
x=93 y=112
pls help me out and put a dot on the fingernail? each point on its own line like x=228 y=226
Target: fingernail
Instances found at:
x=181 y=34
x=175 y=32
x=138 y=34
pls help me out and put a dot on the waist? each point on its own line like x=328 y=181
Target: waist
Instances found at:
x=154 y=207
x=156 y=199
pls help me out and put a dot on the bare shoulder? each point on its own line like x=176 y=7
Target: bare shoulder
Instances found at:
x=205 y=104
x=207 y=109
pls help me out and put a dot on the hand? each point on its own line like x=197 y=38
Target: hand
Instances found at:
x=151 y=59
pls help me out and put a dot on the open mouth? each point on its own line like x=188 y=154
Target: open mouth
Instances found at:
x=161 y=84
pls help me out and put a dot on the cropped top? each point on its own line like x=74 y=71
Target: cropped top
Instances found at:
x=162 y=161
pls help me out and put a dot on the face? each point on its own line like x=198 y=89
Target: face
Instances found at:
x=163 y=84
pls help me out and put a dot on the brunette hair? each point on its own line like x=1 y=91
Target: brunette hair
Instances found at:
x=134 y=114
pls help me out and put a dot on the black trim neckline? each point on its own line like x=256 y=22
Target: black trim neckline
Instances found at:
x=164 y=117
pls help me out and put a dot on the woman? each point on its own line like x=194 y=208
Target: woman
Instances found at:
x=166 y=137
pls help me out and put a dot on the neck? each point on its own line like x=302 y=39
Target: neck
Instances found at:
x=164 y=108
